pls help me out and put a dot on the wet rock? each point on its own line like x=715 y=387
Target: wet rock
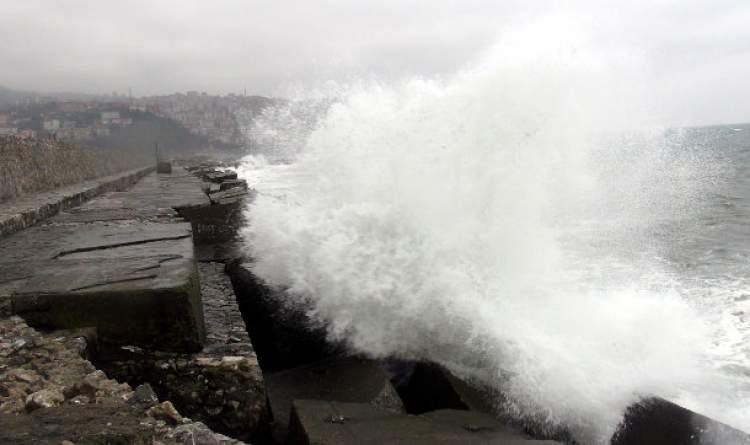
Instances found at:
x=657 y=421
x=198 y=433
x=12 y=406
x=80 y=400
x=332 y=423
x=22 y=375
x=45 y=398
x=144 y=395
x=165 y=411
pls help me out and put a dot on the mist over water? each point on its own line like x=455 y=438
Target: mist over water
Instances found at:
x=513 y=222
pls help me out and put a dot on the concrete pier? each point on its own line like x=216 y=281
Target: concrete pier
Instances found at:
x=147 y=281
x=123 y=263
x=122 y=266
x=26 y=211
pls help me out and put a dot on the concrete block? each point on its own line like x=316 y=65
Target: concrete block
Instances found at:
x=163 y=167
x=283 y=337
x=221 y=176
x=342 y=379
x=337 y=423
x=137 y=283
x=233 y=183
x=656 y=421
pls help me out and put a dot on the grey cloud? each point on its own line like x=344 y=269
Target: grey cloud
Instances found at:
x=696 y=49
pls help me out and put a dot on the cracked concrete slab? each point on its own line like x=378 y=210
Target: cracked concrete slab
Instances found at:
x=130 y=271
x=26 y=211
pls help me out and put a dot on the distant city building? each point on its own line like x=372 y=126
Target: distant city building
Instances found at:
x=101 y=131
x=51 y=124
x=217 y=118
x=82 y=134
x=72 y=107
x=8 y=131
x=108 y=116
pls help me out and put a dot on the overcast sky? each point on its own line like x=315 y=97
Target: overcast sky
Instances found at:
x=698 y=52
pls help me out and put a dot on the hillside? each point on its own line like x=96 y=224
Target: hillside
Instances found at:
x=147 y=130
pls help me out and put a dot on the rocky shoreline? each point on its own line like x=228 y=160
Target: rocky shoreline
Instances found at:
x=51 y=394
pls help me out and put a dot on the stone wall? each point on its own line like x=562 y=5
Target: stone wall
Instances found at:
x=38 y=165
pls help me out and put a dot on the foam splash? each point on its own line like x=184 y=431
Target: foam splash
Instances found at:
x=499 y=222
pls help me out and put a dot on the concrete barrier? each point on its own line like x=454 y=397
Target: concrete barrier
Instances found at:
x=28 y=210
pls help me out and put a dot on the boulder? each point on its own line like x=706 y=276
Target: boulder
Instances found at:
x=45 y=398
x=165 y=411
x=199 y=434
x=145 y=396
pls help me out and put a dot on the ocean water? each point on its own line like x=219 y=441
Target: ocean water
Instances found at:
x=527 y=224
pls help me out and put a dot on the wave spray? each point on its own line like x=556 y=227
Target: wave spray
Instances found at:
x=501 y=222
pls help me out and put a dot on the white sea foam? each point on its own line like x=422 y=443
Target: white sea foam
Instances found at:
x=501 y=222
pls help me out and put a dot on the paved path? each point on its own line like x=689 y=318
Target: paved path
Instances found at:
x=123 y=263
x=28 y=210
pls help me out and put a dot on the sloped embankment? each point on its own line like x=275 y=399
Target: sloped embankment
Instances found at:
x=38 y=165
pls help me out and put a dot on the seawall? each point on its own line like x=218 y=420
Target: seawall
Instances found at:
x=40 y=165
x=147 y=285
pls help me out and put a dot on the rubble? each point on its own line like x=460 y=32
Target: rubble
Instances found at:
x=50 y=394
x=221 y=386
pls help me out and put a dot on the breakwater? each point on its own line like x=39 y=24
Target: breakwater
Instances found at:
x=149 y=286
